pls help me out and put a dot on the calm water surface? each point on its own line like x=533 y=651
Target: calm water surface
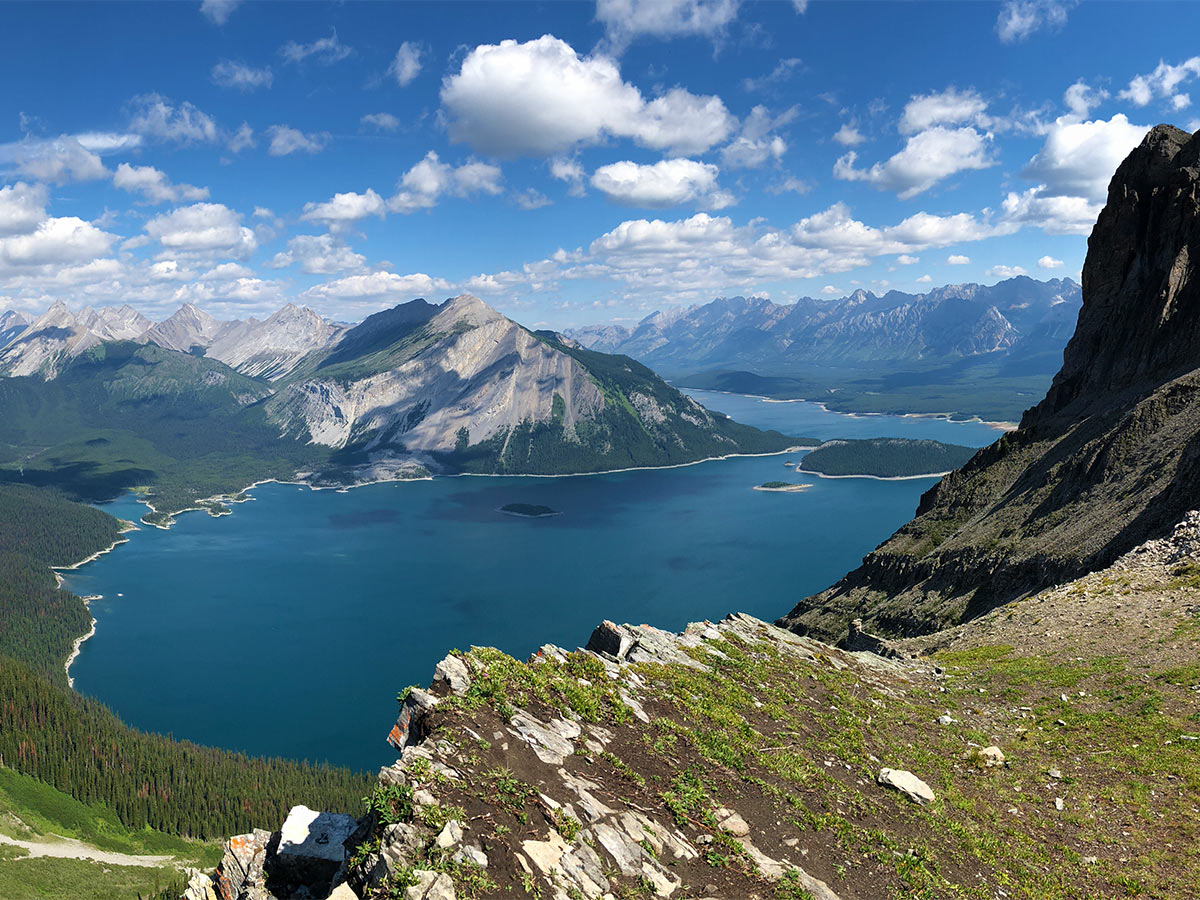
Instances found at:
x=288 y=627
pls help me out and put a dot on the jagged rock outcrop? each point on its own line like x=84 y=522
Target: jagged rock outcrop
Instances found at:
x=272 y=348
x=268 y=349
x=1111 y=456
x=576 y=838
x=12 y=323
x=187 y=328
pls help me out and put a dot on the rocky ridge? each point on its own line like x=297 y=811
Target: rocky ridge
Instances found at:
x=267 y=349
x=1108 y=460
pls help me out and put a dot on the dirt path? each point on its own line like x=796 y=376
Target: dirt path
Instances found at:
x=66 y=848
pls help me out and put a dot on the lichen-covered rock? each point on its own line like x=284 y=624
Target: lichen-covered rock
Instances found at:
x=242 y=867
x=413 y=710
x=200 y=887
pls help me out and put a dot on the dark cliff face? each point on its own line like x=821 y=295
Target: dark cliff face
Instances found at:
x=1110 y=458
x=1140 y=321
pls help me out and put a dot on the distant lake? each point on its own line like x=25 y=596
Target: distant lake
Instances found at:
x=289 y=627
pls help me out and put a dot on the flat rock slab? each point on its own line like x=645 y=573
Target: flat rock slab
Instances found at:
x=906 y=783
x=312 y=847
x=315 y=835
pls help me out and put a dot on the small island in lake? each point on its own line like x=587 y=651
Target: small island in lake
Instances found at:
x=529 y=510
x=783 y=486
x=885 y=458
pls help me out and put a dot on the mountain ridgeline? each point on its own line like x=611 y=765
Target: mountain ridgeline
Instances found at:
x=102 y=400
x=1109 y=459
x=971 y=348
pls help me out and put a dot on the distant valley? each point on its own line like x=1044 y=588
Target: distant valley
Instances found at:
x=970 y=349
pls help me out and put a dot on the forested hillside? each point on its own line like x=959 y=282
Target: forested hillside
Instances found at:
x=77 y=745
x=38 y=529
x=885 y=457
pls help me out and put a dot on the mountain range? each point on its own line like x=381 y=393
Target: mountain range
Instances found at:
x=981 y=339
x=196 y=406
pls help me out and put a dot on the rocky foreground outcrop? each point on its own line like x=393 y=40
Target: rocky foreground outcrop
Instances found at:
x=1043 y=751
x=1111 y=456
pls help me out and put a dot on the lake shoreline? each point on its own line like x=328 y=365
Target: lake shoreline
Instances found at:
x=880 y=477
x=302 y=482
x=77 y=644
x=824 y=405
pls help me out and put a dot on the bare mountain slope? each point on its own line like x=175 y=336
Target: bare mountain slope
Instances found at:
x=461 y=385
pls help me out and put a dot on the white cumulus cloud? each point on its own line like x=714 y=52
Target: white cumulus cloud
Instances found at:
x=318 y=254
x=55 y=241
x=377 y=286
x=58 y=160
x=383 y=121
x=286 y=140
x=1049 y=262
x=948 y=107
x=1019 y=19
x=927 y=158
x=422 y=185
x=1080 y=98
x=1163 y=83
x=406 y=65
x=203 y=228
x=669 y=182
x=756 y=144
x=158 y=117
x=230 y=74
x=22 y=207
x=540 y=98
x=848 y=136
x=625 y=20
x=1005 y=271
x=154 y=185
x=1054 y=214
x=344 y=209
x=1079 y=158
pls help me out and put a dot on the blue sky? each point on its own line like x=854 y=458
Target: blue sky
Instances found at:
x=570 y=163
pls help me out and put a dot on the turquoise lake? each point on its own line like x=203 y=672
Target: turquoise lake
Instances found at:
x=289 y=627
